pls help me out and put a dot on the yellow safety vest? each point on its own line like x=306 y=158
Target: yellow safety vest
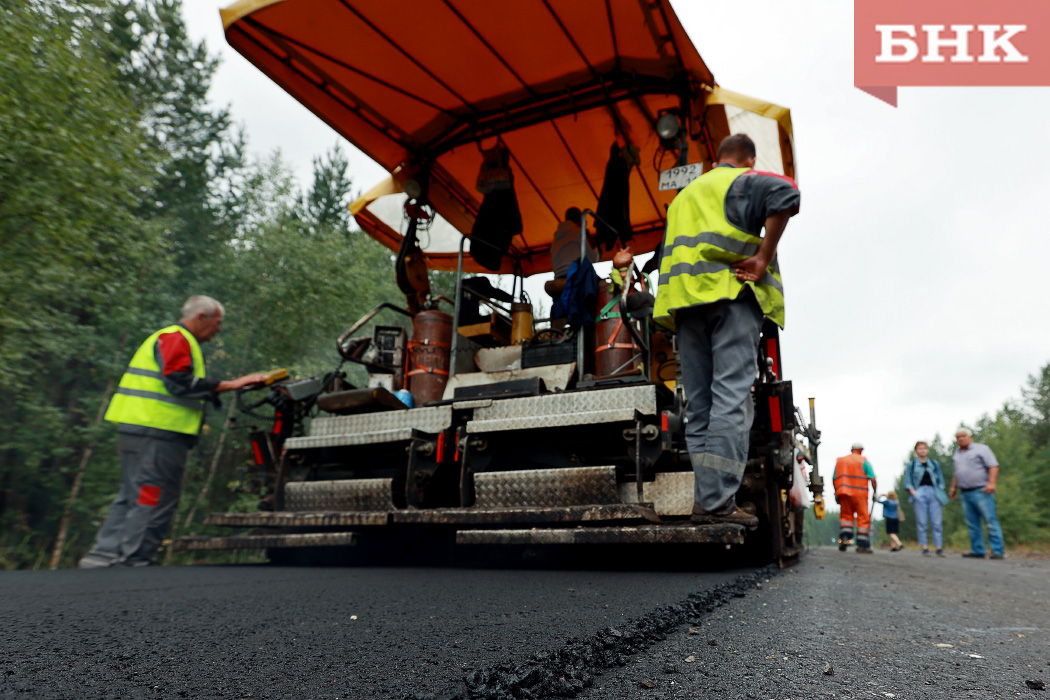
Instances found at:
x=141 y=398
x=699 y=246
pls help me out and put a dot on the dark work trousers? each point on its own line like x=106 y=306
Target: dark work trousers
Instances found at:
x=718 y=344
x=141 y=515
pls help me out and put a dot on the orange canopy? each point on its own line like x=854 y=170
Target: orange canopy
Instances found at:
x=422 y=85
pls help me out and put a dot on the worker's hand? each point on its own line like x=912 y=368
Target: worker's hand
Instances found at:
x=951 y=493
x=257 y=378
x=240 y=382
x=911 y=491
x=751 y=270
x=989 y=487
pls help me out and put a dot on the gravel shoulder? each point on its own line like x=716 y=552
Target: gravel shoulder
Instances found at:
x=846 y=625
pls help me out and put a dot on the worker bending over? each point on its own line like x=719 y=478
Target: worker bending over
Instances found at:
x=851 y=477
x=718 y=278
x=159 y=409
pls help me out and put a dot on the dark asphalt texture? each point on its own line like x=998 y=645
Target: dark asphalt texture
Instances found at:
x=270 y=632
x=873 y=621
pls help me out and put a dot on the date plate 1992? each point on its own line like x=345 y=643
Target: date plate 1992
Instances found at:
x=678 y=177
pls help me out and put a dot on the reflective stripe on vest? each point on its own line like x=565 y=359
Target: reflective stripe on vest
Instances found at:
x=850 y=476
x=699 y=247
x=142 y=399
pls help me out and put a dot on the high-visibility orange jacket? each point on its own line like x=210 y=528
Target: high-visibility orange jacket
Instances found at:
x=850 y=477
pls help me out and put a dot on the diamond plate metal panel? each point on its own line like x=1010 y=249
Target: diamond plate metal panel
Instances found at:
x=286 y=519
x=671 y=493
x=641 y=534
x=512 y=516
x=372 y=428
x=375 y=438
x=556 y=410
x=546 y=488
x=349 y=494
x=431 y=419
x=311 y=539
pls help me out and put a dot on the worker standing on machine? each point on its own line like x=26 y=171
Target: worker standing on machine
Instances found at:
x=851 y=477
x=718 y=278
x=159 y=406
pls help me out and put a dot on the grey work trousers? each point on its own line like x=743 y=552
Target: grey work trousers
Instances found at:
x=718 y=345
x=142 y=512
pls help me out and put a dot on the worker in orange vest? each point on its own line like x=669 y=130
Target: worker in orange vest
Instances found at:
x=851 y=476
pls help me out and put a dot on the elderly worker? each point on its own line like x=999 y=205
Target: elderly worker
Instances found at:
x=159 y=409
x=976 y=472
x=719 y=278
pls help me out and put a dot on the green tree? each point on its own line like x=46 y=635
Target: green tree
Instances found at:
x=197 y=180
x=326 y=203
x=74 y=249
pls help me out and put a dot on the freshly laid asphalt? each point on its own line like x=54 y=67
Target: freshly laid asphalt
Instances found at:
x=836 y=625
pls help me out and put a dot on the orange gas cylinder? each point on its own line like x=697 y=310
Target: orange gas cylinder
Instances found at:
x=428 y=355
x=613 y=345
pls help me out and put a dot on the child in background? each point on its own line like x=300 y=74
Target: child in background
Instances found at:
x=893 y=515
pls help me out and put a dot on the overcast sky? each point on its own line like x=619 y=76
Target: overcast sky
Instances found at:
x=915 y=272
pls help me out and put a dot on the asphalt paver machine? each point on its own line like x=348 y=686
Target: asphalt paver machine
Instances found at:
x=479 y=425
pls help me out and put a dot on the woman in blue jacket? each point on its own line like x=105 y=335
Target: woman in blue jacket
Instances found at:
x=925 y=482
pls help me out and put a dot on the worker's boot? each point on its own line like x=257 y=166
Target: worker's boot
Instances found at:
x=734 y=515
x=96 y=560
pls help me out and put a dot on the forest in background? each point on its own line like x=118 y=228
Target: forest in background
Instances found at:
x=122 y=191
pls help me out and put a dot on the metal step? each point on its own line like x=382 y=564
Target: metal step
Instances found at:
x=495 y=516
x=342 y=495
x=304 y=520
x=311 y=539
x=641 y=534
x=546 y=488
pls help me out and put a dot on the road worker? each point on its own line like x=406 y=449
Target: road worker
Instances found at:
x=159 y=409
x=719 y=278
x=851 y=477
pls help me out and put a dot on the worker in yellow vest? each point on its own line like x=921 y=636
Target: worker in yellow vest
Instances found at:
x=159 y=409
x=851 y=476
x=718 y=278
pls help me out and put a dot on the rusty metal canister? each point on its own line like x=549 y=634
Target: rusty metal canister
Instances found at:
x=613 y=345
x=521 y=322
x=428 y=355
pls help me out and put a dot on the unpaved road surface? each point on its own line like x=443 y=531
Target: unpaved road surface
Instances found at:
x=837 y=625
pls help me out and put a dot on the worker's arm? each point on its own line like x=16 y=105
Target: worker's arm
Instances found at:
x=173 y=355
x=951 y=491
x=240 y=382
x=754 y=268
x=993 y=478
x=175 y=359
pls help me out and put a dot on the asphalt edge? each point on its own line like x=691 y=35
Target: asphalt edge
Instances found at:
x=569 y=670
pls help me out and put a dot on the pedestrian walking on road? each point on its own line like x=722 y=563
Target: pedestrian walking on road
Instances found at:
x=851 y=477
x=159 y=409
x=893 y=516
x=719 y=278
x=976 y=473
x=925 y=482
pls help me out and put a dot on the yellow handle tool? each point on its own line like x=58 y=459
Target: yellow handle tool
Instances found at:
x=275 y=375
